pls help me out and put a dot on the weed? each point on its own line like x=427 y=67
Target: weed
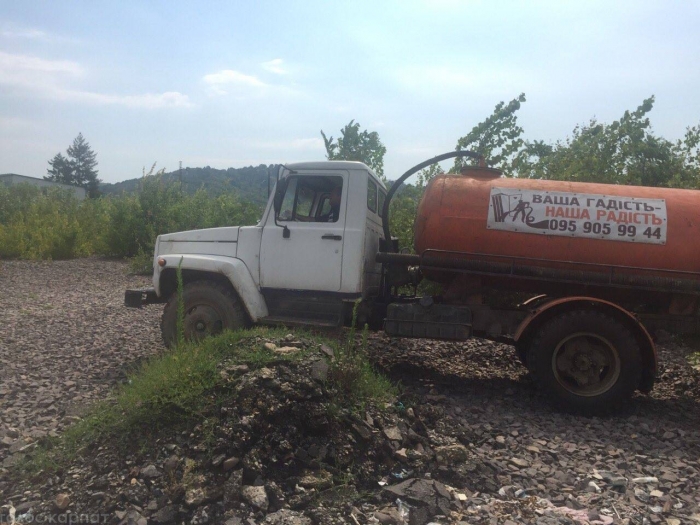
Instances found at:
x=694 y=359
x=141 y=263
x=352 y=373
x=180 y=322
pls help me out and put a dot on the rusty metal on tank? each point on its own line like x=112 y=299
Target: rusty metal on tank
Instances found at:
x=571 y=233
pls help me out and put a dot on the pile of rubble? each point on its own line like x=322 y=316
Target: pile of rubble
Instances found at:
x=277 y=451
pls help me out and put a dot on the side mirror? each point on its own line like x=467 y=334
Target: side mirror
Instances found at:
x=280 y=190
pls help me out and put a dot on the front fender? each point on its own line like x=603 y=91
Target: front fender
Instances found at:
x=233 y=269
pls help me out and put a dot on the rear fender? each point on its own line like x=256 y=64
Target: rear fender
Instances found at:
x=234 y=270
x=544 y=312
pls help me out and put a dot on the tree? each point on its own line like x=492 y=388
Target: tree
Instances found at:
x=362 y=146
x=84 y=164
x=497 y=138
x=78 y=168
x=60 y=171
x=623 y=152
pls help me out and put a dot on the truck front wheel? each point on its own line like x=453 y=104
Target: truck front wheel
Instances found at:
x=209 y=309
x=586 y=360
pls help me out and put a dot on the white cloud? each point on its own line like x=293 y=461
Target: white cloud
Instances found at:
x=243 y=86
x=228 y=80
x=51 y=78
x=25 y=69
x=32 y=34
x=169 y=99
x=274 y=66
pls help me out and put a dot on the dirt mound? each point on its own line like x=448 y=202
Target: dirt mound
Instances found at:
x=281 y=447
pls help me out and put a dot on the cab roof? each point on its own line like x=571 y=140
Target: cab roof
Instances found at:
x=334 y=165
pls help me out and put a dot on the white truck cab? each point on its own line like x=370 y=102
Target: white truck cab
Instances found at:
x=308 y=259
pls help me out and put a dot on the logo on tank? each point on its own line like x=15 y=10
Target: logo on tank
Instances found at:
x=588 y=215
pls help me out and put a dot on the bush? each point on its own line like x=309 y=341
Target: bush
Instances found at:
x=40 y=224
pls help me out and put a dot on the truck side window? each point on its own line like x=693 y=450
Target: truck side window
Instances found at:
x=371 y=195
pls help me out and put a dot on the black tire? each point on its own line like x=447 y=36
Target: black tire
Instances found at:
x=521 y=352
x=210 y=308
x=586 y=361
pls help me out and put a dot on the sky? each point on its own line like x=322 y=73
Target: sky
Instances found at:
x=239 y=83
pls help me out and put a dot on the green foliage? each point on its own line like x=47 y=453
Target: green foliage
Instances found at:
x=428 y=174
x=39 y=224
x=497 y=138
x=60 y=171
x=362 y=146
x=161 y=207
x=78 y=169
x=623 y=152
x=402 y=215
x=352 y=374
x=141 y=263
x=249 y=183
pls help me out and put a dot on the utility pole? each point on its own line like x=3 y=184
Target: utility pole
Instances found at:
x=180 y=176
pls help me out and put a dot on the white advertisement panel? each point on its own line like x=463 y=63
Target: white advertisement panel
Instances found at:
x=608 y=217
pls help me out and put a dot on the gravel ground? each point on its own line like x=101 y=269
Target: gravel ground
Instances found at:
x=66 y=340
x=477 y=394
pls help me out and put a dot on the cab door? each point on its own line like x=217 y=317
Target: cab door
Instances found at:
x=311 y=256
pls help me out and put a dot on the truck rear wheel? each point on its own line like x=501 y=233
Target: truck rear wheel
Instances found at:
x=210 y=308
x=586 y=360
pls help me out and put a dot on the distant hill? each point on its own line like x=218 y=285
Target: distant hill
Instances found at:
x=249 y=183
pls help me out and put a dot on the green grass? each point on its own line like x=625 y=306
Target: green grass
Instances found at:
x=694 y=358
x=692 y=344
x=181 y=388
x=354 y=376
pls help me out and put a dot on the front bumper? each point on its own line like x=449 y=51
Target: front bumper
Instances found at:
x=138 y=297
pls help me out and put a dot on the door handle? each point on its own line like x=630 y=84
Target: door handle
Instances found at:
x=331 y=237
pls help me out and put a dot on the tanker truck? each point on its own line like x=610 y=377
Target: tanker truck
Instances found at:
x=578 y=277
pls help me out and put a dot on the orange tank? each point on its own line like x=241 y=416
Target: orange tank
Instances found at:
x=480 y=212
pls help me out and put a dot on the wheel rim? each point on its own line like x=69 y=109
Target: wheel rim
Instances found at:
x=201 y=321
x=586 y=364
